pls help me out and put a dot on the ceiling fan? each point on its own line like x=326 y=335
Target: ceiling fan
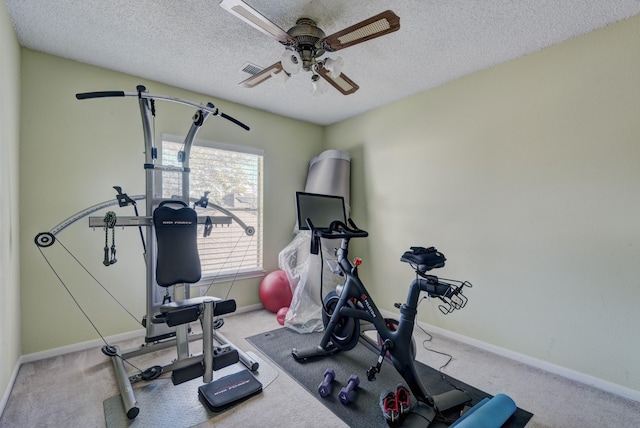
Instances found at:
x=305 y=43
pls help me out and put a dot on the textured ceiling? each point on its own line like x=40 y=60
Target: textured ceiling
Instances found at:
x=197 y=45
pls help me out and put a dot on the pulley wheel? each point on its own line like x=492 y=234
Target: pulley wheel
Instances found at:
x=44 y=239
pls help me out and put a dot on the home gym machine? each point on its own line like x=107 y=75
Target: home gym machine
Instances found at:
x=351 y=303
x=170 y=235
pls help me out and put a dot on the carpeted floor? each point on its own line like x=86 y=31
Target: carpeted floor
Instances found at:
x=364 y=409
x=68 y=389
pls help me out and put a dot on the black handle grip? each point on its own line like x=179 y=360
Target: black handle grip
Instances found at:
x=352 y=230
x=339 y=230
x=236 y=121
x=434 y=287
x=106 y=256
x=101 y=94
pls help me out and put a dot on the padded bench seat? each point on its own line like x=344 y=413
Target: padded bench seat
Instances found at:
x=189 y=310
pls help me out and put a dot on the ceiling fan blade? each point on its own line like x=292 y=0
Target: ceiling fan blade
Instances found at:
x=376 y=26
x=254 y=18
x=260 y=77
x=342 y=83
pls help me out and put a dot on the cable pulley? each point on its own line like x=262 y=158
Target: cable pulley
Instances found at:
x=44 y=239
x=109 y=350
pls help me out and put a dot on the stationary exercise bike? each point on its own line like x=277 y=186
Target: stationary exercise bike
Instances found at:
x=344 y=308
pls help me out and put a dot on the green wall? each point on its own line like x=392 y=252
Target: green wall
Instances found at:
x=72 y=153
x=527 y=177
x=9 y=241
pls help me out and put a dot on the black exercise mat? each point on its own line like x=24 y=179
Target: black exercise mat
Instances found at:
x=364 y=410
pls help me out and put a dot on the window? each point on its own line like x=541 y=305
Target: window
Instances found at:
x=232 y=176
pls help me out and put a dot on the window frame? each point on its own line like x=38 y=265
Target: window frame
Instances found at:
x=234 y=273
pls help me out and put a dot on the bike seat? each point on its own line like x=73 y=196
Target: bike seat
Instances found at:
x=424 y=259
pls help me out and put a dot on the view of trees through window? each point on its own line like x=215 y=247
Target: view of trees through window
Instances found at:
x=233 y=180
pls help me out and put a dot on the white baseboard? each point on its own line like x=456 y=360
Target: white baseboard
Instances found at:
x=245 y=309
x=81 y=346
x=567 y=373
x=7 y=392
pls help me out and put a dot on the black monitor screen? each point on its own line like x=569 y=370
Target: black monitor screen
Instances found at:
x=321 y=209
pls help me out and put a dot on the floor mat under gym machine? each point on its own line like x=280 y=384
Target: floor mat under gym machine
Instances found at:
x=185 y=409
x=364 y=410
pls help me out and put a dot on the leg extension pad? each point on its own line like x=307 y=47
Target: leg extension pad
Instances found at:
x=182 y=316
x=187 y=373
x=224 y=356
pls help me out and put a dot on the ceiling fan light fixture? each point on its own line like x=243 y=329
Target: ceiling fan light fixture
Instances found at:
x=334 y=66
x=318 y=86
x=308 y=56
x=281 y=77
x=291 y=62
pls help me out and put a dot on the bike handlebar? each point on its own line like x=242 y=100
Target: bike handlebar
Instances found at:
x=338 y=230
x=432 y=286
x=449 y=293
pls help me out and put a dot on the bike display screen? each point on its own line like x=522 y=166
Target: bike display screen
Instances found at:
x=321 y=209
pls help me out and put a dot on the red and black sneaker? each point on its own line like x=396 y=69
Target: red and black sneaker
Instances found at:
x=403 y=400
x=389 y=407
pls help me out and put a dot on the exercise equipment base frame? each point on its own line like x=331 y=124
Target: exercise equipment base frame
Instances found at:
x=125 y=380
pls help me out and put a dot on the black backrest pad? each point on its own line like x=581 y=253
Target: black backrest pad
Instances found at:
x=176 y=235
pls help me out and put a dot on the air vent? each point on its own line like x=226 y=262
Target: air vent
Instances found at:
x=251 y=69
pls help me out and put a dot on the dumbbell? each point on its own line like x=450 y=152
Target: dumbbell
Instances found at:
x=324 y=388
x=346 y=393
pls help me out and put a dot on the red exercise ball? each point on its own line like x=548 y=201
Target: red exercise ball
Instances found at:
x=281 y=315
x=275 y=291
